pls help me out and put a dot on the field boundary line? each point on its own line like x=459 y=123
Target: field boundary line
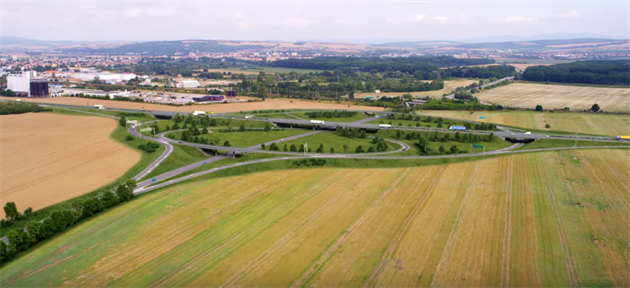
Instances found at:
x=448 y=248
x=255 y=264
x=570 y=263
x=402 y=230
x=312 y=269
x=507 y=227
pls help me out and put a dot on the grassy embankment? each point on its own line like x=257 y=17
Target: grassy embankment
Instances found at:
x=246 y=138
x=556 y=143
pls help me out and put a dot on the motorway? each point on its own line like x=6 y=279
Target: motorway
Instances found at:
x=452 y=96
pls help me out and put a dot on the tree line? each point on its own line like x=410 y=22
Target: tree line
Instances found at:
x=22 y=239
x=602 y=72
x=20 y=107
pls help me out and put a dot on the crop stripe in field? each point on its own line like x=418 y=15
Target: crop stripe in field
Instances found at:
x=625 y=180
x=507 y=227
x=402 y=230
x=198 y=258
x=313 y=268
x=448 y=248
x=150 y=253
x=573 y=278
x=30 y=272
x=256 y=263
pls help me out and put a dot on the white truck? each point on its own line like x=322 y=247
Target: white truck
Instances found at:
x=197 y=113
x=317 y=122
x=100 y=107
x=384 y=125
x=249 y=117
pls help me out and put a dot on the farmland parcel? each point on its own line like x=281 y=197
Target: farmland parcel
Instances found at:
x=507 y=221
x=558 y=96
x=49 y=158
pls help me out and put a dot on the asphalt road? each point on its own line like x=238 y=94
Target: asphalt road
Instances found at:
x=167 y=152
x=452 y=96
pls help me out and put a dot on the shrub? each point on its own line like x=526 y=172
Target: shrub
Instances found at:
x=129 y=138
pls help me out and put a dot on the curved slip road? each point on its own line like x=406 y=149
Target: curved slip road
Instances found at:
x=503 y=151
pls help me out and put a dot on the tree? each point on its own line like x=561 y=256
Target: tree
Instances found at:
x=262 y=92
x=96 y=79
x=122 y=121
x=293 y=148
x=490 y=137
x=28 y=211
x=18 y=239
x=267 y=128
x=124 y=191
x=595 y=108
x=320 y=149
x=359 y=149
x=227 y=144
x=11 y=212
x=301 y=148
x=273 y=147
x=442 y=149
x=109 y=199
x=547 y=126
x=242 y=128
x=345 y=148
x=129 y=138
x=332 y=150
x=539 y=108
x=454 y=149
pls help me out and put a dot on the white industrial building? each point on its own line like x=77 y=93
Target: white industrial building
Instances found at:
x=20 y=82
x=190 y=84
x=117 y=77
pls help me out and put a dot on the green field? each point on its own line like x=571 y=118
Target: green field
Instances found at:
x=266 y=69
x=332 y=140
x=421 y=123
x=182 y=155
x=553 y=143
x=463 y=147
x=329 y=227
x=355 y=117
x=247 y=138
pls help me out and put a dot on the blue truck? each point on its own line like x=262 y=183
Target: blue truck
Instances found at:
x=461 y=128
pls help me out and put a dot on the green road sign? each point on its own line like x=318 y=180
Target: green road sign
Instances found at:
x=482 y=117
x=477 y=146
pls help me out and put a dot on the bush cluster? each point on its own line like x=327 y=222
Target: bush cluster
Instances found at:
x=310 y=162
x=20 y=107
x=150 y=147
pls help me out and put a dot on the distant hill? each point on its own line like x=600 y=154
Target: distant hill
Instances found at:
x=544 y=44
x=420 y=44
x=164 y=48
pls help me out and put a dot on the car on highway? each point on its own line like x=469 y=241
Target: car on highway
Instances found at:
x=528 y=133
x=547 y=136
x=512 y=134
x=180 y=141
x=204 y=162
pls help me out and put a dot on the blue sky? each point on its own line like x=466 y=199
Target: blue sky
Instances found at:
x=309 y=20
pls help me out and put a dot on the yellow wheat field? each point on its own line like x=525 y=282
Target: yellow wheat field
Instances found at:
x=510 y=221
x=558 y=96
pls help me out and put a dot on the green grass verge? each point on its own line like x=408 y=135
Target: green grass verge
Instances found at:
x=556 y=143
x=355 y=117
x=119 y=134
x=235 y=123
x=547 y=132
x=332 y=140
x=496 y=144
x=412 y=123
x=247 y=138
x=182 y=155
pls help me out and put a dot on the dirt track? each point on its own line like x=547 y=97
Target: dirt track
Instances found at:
x=48 y=158
x=217 y=108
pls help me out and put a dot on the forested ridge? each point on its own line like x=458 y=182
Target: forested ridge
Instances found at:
x=603 y=72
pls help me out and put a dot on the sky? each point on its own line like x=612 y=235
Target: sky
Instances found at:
x=307 y=20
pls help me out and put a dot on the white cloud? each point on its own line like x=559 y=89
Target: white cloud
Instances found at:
x=162 y=12
x=419 y=17
x=298 y=22
x=441 y=19
x=339 y=21
x=515 y=19
x=132 y=12
x=572 y=14
x=239 y=14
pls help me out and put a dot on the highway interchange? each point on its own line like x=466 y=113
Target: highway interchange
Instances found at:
x=168 y=178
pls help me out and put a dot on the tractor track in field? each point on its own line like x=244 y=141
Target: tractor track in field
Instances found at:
x=181 y=234
x=255 y=264
x=201 y=256
x=450 y=244
x=402 y=231
x=507 y=227
x=313 y=268
x=570 y=263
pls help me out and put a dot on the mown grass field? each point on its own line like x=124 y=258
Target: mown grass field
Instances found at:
x=509 y=221
x=413 y=123
x=558 y=96
x=332 y=140
x=588 y=123
x=355 y=117
x=449 y=85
